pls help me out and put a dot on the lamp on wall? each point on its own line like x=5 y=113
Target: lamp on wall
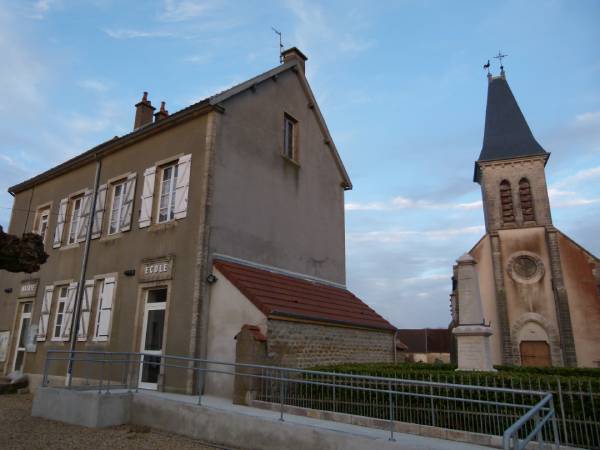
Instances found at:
x=129 y=272
x=8 y=290
x=211 y=279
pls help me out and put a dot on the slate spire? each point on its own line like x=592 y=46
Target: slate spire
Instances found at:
x=507 y=134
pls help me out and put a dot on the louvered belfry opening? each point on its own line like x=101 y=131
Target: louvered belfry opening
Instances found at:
x=508 y=210
x=526 y=200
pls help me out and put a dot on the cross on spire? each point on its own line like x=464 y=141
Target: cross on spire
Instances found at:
x=499 y=57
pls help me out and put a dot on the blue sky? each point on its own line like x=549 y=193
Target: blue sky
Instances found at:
x=400 y=84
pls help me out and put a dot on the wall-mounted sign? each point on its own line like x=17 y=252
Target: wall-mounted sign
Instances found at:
x=28 y=288
x=156 y=269
x=4 y=335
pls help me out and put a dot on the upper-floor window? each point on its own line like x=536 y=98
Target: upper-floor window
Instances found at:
x=290 y=137
x=121 y=205
x=166 y=204
x=41 y=223
x=75 y=219
x=170 y=181
x=506 y=202
x=526 y=200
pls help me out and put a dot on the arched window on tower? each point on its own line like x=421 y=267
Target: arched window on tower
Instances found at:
x=508 y=210
x=526 y=200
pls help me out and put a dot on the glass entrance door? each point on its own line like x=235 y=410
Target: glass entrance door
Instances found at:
x=152 y=337
x=24 y=323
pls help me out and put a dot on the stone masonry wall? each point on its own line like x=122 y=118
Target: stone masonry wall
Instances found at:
x=296 y=344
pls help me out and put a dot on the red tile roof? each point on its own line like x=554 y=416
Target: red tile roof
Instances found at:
x=277 y=294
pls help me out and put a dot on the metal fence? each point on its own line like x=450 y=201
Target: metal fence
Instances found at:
x=576 y=401
x=519 y=415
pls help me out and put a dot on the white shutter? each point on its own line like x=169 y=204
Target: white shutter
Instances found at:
x=69 y=307
x=183 y=183
x=84 y=216
x=147 y=196
x=99 y=211
x=105 y=309
x=45 y=313
x=86 y=303
x=60 y=222
x=127 y=208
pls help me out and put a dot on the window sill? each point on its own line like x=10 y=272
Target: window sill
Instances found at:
x=69 y=246
x=291 y=161
x=163 y=226
x=111 y=237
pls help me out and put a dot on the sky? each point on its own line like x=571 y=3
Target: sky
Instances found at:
x=400 y=83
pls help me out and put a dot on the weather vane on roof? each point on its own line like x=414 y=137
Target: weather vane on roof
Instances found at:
x=280 y=44
x=499 y=57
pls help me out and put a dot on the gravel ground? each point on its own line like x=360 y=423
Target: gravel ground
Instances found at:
x=18 y=430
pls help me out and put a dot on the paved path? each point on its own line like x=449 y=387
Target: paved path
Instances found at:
x=403 y=440
x=18 y=430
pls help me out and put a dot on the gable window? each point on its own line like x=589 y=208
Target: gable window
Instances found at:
x=59 y=318
x=290 y=137
x=526 y=200
x=41 y=225
x=166 y=201
x=506 y=201
x=75 y=219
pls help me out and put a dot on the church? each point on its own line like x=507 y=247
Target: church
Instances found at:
x=539 y=289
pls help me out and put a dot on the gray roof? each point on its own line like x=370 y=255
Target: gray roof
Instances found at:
x=507 y=134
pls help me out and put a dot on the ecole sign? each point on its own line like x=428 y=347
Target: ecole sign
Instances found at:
x=156 y=269
x=28 y=288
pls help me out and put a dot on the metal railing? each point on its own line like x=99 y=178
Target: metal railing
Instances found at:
x=519 y=415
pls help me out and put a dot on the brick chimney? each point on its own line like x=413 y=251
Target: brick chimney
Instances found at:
x=162 y=113
x=293 y=54
x=143 y=112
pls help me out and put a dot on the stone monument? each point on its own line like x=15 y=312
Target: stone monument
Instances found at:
x=472 y=334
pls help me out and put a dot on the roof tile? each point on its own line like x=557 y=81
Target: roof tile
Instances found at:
x=277 y=294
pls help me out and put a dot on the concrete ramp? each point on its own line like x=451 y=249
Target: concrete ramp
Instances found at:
x=220 y=422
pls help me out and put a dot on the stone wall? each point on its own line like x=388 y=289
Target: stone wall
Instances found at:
x=297 y=344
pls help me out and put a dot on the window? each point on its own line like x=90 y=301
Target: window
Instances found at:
x=102 y=324
x=116 y=211
x=75 y=221
x=506 y=201
x=166 y=201
x=526 y=200
x=60 y=317
x=289 y=137
x=41 y=225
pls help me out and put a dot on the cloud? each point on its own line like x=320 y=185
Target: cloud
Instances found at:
x=177 y=11
x=588 y=118
x=40 y=8
x=395 y=236
x=94 y=85
x=399 y=203
x=136 y=34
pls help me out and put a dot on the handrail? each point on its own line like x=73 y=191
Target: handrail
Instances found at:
x=389 y=393
x=510 y=439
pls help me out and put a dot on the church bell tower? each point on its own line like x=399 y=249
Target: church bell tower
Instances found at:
x=524 y=245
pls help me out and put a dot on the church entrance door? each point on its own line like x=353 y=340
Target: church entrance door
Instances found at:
x=535 y=354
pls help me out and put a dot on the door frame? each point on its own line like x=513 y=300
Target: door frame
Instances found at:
x=144 y=317
x=22 y=314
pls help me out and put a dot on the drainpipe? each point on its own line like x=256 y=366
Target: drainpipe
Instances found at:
x=396 y=346
x=81 y=285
